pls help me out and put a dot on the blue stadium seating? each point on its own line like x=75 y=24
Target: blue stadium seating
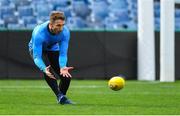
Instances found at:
x=122 y=15
x=177 y=13
x=36 y=2
x=25 y=11
x=6 y=10
x=114 y=23
x=157 y=12
x=30 y=26
x=20 y=2
x=80 y=8
x=29 y=20
x=157 y=5
x=132 y=1
x=43 y=9
x=177 y=23
x=94 y=14
x=15 y=26
x=131 y=25
x=76 y=23
x=92 y=24
x=133 y=15
x=119 y=4
x=10 y=19
x=4 y=3
x=2 y=25
x=157 y=23
x=60 y=3
x=67 y=10
x=99 y=11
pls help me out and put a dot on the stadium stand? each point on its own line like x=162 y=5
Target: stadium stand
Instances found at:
x=25 y=11
x=76 y=23
x=91 y=14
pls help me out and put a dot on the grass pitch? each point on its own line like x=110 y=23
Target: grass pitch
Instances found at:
x=22 y=97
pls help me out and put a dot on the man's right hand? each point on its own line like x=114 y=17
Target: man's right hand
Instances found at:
x=49 y=73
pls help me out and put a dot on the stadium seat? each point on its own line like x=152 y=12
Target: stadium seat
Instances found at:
x=85 y=1
x=80 y=8
x=25 y=11
x=43 y=10
x=20 y=2
x=132 y=1
x=36 y=2
x=157 y=23
x=118 y=4
x=133 y=14
x=15 y=26
x=95 y=25
x=60 y=3
x=177 y=23
x=30 y=26
x=157 y=13
x=76 y=23
x=133 y=6
x=29 y=20
x=42 y=19
x=4 y=2
x=113 y=23
x=122 y=15
x=156 y=5
x=2 y=25
x=6 y=10
x=10 y=19
x=177 y=12
x=131 y=25
x=67 y=10
x=99 y=11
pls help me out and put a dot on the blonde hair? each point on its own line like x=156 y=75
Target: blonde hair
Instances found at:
x=55 y=15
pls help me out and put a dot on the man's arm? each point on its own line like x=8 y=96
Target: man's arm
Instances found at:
x=37 y=54
x=63 y=49
x=64 y=71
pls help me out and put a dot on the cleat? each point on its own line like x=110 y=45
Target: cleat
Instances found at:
x=68 y=102
x=61 y=99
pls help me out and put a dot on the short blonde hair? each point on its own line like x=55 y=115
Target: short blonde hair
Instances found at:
x=55 y=15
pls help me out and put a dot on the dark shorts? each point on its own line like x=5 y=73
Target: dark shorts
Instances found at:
x=50 y=58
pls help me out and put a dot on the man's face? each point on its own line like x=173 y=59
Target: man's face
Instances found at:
x=57 y=26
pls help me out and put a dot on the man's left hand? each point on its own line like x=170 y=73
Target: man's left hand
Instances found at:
x=65 y=72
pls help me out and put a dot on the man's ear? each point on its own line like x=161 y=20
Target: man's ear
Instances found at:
x=50 y=24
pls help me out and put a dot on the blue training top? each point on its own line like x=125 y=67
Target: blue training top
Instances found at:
x=43 y=40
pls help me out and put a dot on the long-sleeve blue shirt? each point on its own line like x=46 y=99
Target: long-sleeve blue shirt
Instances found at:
x=43 y=40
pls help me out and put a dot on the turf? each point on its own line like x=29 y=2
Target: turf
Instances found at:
x=22 y=97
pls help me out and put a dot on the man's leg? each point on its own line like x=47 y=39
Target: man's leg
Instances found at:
x=51 y=82
x=54 y=61
x=64 y=82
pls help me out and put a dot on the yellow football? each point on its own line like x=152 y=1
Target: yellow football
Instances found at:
x=116 y=83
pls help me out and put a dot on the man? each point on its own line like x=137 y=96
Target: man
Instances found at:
x=48 y=47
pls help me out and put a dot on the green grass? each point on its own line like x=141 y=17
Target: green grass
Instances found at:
x=92 y=96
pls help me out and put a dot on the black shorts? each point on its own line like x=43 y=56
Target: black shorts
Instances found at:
x=50 y=58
